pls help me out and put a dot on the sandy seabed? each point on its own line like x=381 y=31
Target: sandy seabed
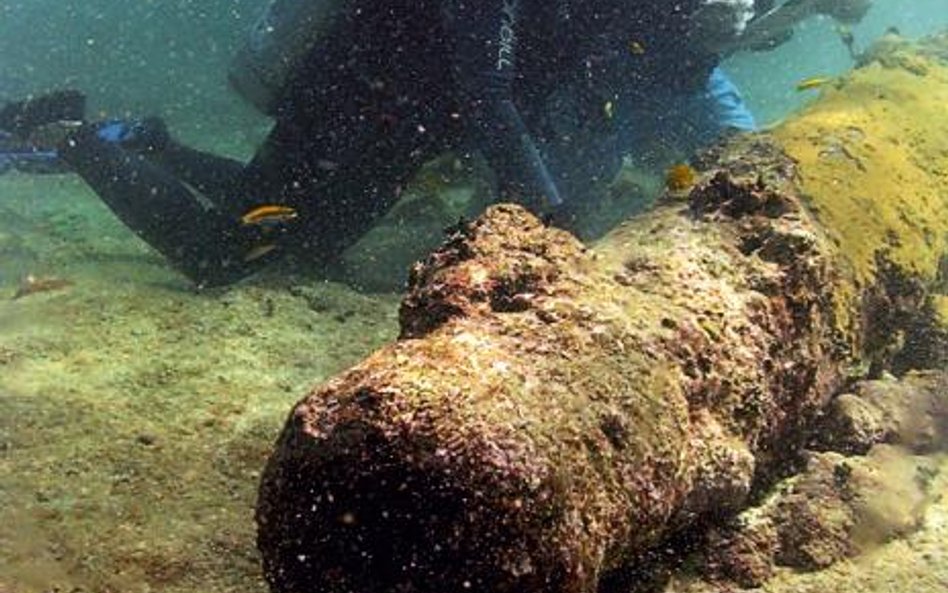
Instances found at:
x=136 y=413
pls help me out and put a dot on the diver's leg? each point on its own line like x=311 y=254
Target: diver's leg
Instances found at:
x=214 y=177
x=342 y=168
x=209 y=247
x=347 y=209
x=217 y=178
x=343 y=144
x=337 y=192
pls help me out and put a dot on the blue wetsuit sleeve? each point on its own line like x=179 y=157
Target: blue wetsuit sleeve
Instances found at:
x=484 y=36
x=725 y=102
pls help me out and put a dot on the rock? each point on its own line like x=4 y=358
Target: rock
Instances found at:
x=839 y=507
x=912 y=412
x=744 y=555
x=852 y=425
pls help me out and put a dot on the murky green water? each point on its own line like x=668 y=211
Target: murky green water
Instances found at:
x=137 y=413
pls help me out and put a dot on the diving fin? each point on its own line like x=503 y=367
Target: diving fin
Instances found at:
x=21 y=118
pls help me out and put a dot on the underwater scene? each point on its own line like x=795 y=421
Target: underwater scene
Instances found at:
x=501 y=296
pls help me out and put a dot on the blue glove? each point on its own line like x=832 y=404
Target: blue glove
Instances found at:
x=146 y=135
x=116 y=130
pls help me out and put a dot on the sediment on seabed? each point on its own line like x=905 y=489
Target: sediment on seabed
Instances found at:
x=552 y=411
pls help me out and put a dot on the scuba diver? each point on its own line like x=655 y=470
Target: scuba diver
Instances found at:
x=363 y=93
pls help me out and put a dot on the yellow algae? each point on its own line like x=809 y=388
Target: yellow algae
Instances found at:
x=941 y=309
x=680 y=177
x=873 y=157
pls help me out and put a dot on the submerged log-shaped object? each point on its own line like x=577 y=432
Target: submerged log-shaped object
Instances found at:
x=549 y=411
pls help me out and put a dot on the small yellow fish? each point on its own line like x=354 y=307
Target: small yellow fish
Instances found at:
x=636 y=48
x=269 y=214
x=258 y=252
x=813 y=83
x=609 y=109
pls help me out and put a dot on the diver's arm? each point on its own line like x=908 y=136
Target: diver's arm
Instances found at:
x=484 y=63
x=776 y=25
x=207 y=245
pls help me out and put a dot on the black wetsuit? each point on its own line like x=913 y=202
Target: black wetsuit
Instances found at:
x=393 y=85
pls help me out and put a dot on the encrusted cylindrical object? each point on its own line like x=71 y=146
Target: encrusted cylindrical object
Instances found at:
x=550 y=412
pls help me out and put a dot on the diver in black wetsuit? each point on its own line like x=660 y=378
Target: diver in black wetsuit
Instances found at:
x=550 y=91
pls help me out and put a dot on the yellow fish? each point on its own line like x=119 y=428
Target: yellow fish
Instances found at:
x=636 y=48
x=609 y=109
x=268 y=215
x=813 y=83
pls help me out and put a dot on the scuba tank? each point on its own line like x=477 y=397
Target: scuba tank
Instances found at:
x=282 y=35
